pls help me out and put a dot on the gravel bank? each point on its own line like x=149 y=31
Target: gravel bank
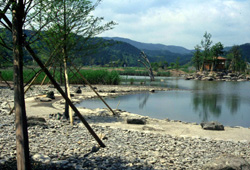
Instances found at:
x=71 y=147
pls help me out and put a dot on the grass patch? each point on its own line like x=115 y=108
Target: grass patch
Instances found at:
x=93 y=76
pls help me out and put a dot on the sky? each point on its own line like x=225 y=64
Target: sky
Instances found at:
x=178 y=22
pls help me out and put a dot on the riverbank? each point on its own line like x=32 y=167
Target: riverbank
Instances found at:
x=159 y=144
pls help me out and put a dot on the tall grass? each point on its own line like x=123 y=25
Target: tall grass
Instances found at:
x=93 y=76
x=164 y=74
x=133 y=72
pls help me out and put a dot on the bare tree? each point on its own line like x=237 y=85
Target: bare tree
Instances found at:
x=147 y=65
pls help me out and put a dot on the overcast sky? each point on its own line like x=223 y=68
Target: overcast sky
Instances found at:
x=178 y=22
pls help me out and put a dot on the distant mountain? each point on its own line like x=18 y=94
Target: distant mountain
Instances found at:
x=150 y=46
x=119 y=52
x=245 y=51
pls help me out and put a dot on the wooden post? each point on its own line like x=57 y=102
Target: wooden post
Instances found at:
x=32 y=53
x=22 y=142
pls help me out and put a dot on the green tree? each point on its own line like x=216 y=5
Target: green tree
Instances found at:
x=172 y=65
x=216 y=51
x=237 y=63
x=197 y=58
x=206 y=43
x=155 y=66
x=165 y=63
x=177 y=63
x=71 y=22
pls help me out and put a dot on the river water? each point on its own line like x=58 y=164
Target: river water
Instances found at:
x=194 y=101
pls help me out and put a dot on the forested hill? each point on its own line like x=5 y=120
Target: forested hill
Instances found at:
x=126 y=53
x=153 y=47
x=158 y=52
x=121 y=53
x=118 y=53
x=245 y=50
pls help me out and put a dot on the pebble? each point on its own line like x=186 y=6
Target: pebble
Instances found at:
x=73 y=146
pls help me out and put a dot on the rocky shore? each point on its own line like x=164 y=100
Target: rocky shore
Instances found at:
x=55 y=144
x=217 y=76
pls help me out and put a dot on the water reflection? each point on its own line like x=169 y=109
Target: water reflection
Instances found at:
x=233 y=103
x=143 y=98
x=226 y=102
x=206 y=104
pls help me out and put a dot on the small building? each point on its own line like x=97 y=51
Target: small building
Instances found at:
x=219 y=64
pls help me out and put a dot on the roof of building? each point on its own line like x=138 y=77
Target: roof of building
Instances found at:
x=221 y=58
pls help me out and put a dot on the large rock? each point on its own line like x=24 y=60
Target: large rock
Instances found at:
x=51 y=95
x=214 y=125
x=41 y=158
x=36 y=121
x=45 y=99
x=139 y=121
x=227 y=162
x=78 y=90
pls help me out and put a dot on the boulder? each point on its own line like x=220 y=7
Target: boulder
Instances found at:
x=189 y=78
x=45 y=99
x=213 y=125
x=112 y=91
x=41 y=158
x=36 y=121
x=50 y=95
x=231 y=74
x=78 y=90
x=152 y=90
x=139 y=121
x=227 y=162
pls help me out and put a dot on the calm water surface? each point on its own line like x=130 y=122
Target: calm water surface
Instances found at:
x=197 y=101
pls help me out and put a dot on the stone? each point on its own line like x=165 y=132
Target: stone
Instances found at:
x=50 y=95
x=41 y=158
x=231 y=74
x=112 y=91
x=58 y=116
x=78 y=90
x=2 y=161
x=152 y=90
x=227 y=162
x=95 y=148
x=213 y=125
x=36 y=121
x=61 y=162
x=39 y=119
x=140 y=121
x=45 y=99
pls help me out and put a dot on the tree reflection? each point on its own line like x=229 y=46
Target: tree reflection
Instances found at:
x=206 y=104
x=143 y=98
x=233 y=103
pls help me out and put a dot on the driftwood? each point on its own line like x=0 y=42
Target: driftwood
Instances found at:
x=147 y=65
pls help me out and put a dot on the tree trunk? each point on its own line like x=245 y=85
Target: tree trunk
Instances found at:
x=22 y=142
x=68 y=110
